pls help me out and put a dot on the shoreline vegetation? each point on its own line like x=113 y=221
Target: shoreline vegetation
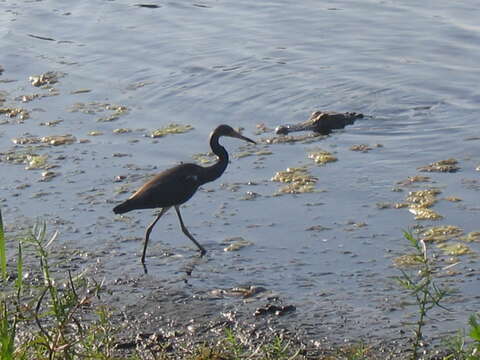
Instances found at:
x=49 y=312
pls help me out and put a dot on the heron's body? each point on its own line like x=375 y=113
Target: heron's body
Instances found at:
x=177 y=185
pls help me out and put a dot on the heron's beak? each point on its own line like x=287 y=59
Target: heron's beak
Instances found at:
x=240 y=136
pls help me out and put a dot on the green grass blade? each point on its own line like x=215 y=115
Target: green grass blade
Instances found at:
x=3 y=250
x=19 y=281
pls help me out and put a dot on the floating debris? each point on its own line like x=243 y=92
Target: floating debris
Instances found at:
x=441 y=233
x=204 y=158
x=41 y=37
x=31 y=97
x=455 y=249
x=138 y=85
x=425 y=214
x=49 y=78
x=471 y=236
x=54 y=140
x=250 y=195
x=364 y=147
x=261 y=129
x=383 y=205
x=414 y=179
x=424 y=198
x=288 y=139
x=80 y=91
x=298 y=179
x=122 y=131
x=95 y=133
x=57 y=140
x=317 y=228
x=26 y=140
x=51 y=123
x=148 y=6
x=17 y=156
x=22 y=114
x=97 y=107
x=453 y=199
x=449 y=165
x=236 y=243
x=35 y=162
x=48 y=175
x=252 y=153
x=408 y=260
x=322 y=157
x=170 y=129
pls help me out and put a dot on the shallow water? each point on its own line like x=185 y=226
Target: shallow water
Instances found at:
x=413 y=68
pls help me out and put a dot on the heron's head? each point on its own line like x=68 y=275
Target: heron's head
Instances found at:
x=226 y=130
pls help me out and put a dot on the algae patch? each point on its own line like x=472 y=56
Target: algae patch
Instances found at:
x=408 y=260
x=204 y=158
x=98 y=107
x=455 y=249
x=449 y=165
x=236 y=244
x=322 y=157
x=48 y=78
x=442 y=233
x=21 y=113
x=298 y=180
x=170 y=129
x=420 y=203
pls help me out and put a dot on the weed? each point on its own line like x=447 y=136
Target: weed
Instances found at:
x=421 y=286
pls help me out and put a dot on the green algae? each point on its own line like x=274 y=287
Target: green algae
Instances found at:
x=425 y=214
x=441 y=233
x=252 y=152
x=236 y=244
x=21 y=113
x=204 y=158
x=414 y=179
x=322 y=157
x=35 y=162
x=420 y=203
x=95 y=133
x=408 y=260
x=98 y=107
x=471 y=236
x=170 y=129
x=449 y=165
x=455 y=249
x=298 y=180
x=122 y=131
x=48 y=78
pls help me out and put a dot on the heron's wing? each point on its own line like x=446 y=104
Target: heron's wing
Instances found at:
x=171 y=187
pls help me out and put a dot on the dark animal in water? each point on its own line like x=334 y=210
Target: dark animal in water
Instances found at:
x=177 y=185
x=322 y=122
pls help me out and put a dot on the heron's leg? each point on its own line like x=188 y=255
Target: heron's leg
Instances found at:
x=149 y=230
x=185 y=231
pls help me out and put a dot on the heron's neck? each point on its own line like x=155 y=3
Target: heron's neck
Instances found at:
x=215 y=171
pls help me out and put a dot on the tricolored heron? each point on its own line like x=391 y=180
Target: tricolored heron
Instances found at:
x=175 y=186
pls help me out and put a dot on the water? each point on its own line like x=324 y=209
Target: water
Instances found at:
x=412 y=67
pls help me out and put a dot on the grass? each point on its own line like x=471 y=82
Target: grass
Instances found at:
x=420 y=284
x=55 y=314
x=3 y=250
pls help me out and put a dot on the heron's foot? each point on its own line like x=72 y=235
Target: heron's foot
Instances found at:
x=202 y=252
x=145 y=270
